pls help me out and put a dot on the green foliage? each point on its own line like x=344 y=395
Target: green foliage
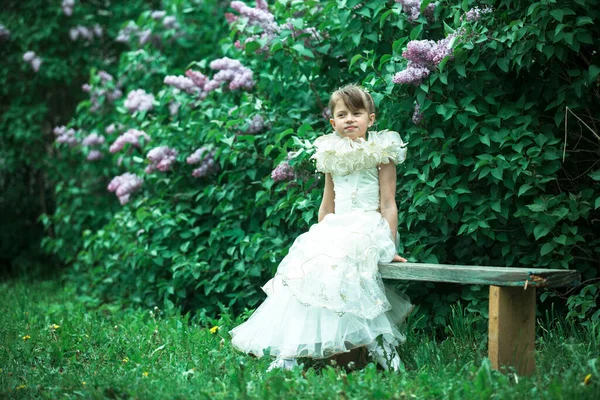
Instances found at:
x=32 y=103
x=484 y=182
x=109 y=351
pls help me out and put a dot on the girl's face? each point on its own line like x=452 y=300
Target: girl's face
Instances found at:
x=351 y=124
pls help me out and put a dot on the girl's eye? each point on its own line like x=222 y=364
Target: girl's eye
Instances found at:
x=357 y=114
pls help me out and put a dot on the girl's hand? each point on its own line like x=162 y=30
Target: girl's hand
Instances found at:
x=397 y=258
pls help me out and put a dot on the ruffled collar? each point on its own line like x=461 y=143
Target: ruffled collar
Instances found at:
x=342 y=155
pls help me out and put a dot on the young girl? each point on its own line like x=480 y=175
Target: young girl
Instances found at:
x=327 y=296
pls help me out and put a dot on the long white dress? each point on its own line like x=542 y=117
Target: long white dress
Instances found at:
x=327 y=296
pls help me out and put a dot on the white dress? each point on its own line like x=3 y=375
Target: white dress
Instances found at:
x=327 y=296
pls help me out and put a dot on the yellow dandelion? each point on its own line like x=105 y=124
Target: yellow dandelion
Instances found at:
x=214 y=329
x=21 y=387
x=26 y=337
x=145 y=374
x=126 y=360
x=587 y=379
x=54 y=326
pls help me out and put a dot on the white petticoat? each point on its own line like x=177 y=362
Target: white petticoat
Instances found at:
x=327 y=296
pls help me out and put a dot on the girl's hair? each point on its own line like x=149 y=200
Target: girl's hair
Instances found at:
x=354 y=97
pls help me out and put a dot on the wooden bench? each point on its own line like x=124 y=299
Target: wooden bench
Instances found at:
x=511 y=335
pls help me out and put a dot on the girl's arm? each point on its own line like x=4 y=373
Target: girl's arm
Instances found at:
x=327 y=204
x=387 y=198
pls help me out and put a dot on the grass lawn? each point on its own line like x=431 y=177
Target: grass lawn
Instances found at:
x=52 y=346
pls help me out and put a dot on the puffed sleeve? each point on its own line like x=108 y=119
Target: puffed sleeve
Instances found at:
x=392 y=147
x=325 y=152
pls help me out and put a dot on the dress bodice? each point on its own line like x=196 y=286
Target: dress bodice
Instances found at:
x=358 y=190
x=353 y=166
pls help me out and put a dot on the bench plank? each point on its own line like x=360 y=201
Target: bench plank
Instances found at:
x=480 y=275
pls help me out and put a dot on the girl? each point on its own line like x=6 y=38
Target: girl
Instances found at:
x=327 y=296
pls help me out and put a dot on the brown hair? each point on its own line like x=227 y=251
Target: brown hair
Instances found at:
x=354 y=97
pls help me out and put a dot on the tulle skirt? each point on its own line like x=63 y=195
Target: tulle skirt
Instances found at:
x=327 y=296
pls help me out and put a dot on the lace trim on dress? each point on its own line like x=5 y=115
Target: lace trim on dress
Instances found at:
x=341 y=155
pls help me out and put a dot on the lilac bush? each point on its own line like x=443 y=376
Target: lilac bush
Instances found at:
x=64 y=135
x=93 y=139
x=132 y=136
x=67 y=7
x=232 y=72
x=86 y=33
x=476 y=13
x=105 y=87
x=205 y=157
x=161 y=158
x=182 y=83
x=94 y=155
x=413 y=9
x=139 y=100
x=124 y=185
x=32 y=59
x=256 y=125
x=283 y=172
x=417 y=116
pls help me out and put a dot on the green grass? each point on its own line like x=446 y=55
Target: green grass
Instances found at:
x=116 y=353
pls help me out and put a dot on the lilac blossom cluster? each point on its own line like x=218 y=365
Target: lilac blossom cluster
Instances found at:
x=32 y=59
x=174 y=107
x=232 y=71
x=105 y=88
x=4 y=33
x=283 y=172
x=64 y=135
x=67 y=7
x=182 y=83
x=131 y=29
x=475 y=13
x=206 y=158
x=112 y=128
x=259 y=17
x=161 y=159
x=124 y=185
x=131 y=136
x=417 y=116
x=423 y=57
x=86 y=33
x=256 y=125
x=413 y=9
x=139 y=100
x=93 y=140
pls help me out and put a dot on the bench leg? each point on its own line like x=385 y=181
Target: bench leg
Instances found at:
x=511 y=333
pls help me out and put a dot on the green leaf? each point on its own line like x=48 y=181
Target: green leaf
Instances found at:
x=540 y=231
x=557 y=14
x=595 y=175
x=593 y=72
x=503 y=64
x=547 y=248
x=597 y=203
x=524 y=188
x=562 y=239
x=485 y=139
x=415 y=32
x=355 y=59
x=584 y=21
x=452 y=200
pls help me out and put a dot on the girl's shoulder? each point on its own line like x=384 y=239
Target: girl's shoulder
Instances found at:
x=336 y=154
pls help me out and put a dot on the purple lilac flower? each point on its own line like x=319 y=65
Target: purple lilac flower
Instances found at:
x=198 y=78
x=232 y=71
x=84 y=32
x=36 y=63
x=64 y=135
x=67 y=7
x=256 y=125
x=260 y=16
x=95 y=155
x=170 y=22
x=124 y=185
x=93 y=139
x=283 y=172
x=110 y=129
x=413 y=74
x=161 y=158
x=423 y=57
x=476 y=13
x=86 y=87
x=413 y=9
x=125 y=34
x=181 y=83
x=417 y=115
x=139 y=100
x=29 y=56
x=4 y=33
x=105 y=76
x=158 y=15
x=174 y=108
x=131 y=136
x=206 y=159
x=144 y=36
x=98 y=31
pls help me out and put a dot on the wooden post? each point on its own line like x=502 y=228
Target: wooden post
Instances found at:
x=511 y=340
